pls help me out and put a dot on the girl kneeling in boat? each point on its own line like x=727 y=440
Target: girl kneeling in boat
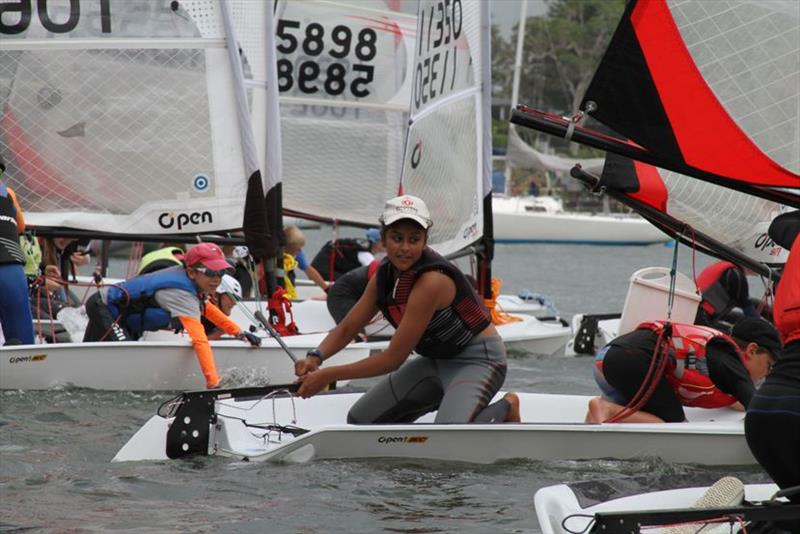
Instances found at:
x=436 y=313
x=173 y=297
x=706 y=368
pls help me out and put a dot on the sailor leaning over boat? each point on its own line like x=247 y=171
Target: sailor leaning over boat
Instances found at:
x=436 y=313
x=15 y=312
x=662 y=367
x=772 y=424
x=175 y=297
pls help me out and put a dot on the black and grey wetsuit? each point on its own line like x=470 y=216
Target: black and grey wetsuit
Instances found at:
x=458 y=373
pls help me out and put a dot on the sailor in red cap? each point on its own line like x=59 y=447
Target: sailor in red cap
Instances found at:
x=175 y=297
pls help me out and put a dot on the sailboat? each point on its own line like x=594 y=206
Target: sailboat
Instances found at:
x=567 y=508
x=708 y=99
x=131 y=121
x=276 y=426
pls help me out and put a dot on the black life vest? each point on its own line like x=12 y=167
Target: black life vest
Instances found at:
x=10 y=251
x=450 y=329
x=344 y=254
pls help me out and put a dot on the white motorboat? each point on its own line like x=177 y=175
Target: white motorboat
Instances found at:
x=261 y=424
x=543 y=220
x=566 y=508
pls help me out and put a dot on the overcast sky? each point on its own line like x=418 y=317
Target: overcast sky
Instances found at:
x=505 y=13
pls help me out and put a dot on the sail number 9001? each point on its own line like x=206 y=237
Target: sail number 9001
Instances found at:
x=307 y=74
x=25 y=9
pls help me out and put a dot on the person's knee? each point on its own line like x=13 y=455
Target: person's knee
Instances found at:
x=353 y=420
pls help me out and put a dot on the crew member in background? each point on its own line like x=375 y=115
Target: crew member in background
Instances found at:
x=344 y=294
x=228 y=293
x=15 y=310
x=723 y=286
x=161 y=258
x=347 y=253
x=62 y=256
x=772 y=424
x=174 y=297
x=293 y=258
x=244 y=266
x=707 y=369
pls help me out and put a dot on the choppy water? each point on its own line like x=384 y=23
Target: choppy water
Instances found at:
x=56 y=446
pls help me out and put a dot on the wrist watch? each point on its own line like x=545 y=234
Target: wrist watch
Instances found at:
x=316 y=354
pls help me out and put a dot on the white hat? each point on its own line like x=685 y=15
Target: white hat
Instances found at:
x=406 y=207
x=230 y=285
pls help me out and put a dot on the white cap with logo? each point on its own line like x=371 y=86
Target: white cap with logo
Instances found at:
x=230 y=285
x=406 y=207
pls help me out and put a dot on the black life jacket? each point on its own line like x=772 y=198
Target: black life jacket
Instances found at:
x=10 y=251
x=450 y=329
x=345 y=257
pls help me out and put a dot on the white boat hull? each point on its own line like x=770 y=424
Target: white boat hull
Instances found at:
x=527 y=336
x=514 y=223
x=555 y=503
x=552 y=429
x=153 y=365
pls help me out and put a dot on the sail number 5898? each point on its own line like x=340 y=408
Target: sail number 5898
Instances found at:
x=307 y=74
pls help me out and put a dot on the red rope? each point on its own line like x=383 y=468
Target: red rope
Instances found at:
x=654 y=373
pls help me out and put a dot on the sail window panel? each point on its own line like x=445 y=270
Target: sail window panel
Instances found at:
x=686 y=12
x=340 y=162
x=115 y=107
x=732 y=218
x=715 y=49
x=204 y=13
x=443 y=144
x=716 y=73
x=248 y=20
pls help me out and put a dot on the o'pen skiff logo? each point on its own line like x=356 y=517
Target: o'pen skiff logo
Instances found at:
x=26 y=359
x=170 y=219
x=402 y=439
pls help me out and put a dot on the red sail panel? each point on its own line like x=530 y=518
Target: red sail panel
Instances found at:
x=708 y=137
x=652 y=190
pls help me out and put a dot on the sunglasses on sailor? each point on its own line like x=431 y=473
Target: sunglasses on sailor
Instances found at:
x=210 y=272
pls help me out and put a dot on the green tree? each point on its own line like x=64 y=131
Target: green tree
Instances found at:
x=561 y=52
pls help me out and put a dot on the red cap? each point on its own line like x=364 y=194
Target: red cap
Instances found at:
x=208 y=255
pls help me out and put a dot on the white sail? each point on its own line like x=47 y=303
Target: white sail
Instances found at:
x=121 y=116
x=446 y=158
x=344 y=72
x=735 y=219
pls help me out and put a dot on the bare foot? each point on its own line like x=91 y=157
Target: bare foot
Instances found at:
x=599 y=410
x=513 y=412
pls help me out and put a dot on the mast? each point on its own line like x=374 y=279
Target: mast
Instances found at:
x=523 y=14
x=487 y=255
